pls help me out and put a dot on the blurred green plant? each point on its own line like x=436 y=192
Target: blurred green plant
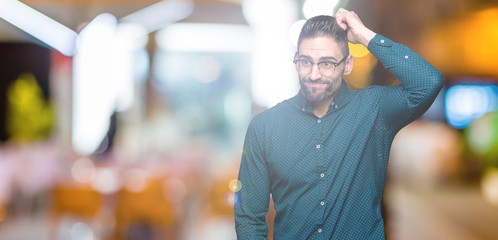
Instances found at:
x=482 y=138
x=29 y=116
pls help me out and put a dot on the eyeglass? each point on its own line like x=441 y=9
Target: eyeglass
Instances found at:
x=305 y=66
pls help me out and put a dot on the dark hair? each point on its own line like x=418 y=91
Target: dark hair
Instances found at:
x=324 y=26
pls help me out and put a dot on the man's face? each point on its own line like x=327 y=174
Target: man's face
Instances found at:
x=320 y=84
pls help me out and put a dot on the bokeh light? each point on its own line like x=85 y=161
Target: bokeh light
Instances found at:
x=106 y=181
x=361 y=76
x=175 y=190
x=237 y=106
x=465 y=103
x=481 y=135
x=39 y=25
x=489 y=186
x=232 y=199
x=271 y=56
x=206 y=69
x=83 y=170
x=235 y=185
x=135 y=180
x=81 y=231
x=295 y=30
x=313 y=8
x=358 y=50
x=94 y=85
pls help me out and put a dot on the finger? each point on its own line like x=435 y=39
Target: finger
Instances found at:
x=342 y=10
x=341 y=20
x=342 y=24
x=339 y=12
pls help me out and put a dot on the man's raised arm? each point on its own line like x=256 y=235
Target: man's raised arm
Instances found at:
x=420 y=81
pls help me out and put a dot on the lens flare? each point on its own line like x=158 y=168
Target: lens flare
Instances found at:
x=235 y=185
x=232 y=199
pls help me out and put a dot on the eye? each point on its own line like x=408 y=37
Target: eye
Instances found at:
x=306 y=63
x=327 y=64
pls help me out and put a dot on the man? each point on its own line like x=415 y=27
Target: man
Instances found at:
x=322 y=155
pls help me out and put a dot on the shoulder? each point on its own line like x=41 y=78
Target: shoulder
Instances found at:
x=374 y=94
x=271 y=112
x=374 y=89
x=275 y=113
x=368 y=93
x=378 y=91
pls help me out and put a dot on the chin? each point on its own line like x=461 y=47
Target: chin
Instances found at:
x=316 y=98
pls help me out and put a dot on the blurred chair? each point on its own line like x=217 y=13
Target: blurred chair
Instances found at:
x=77 y=200
x=3 y=212
x=144 y=214
x=73 y=201
x=217 y=218
x=221 y=199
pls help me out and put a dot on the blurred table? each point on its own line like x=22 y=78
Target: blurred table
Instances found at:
x=457 y=212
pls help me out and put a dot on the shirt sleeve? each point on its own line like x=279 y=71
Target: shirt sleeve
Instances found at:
x=420 y=82
x=250 y=211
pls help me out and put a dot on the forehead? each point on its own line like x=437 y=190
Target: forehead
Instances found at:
x=320 y=47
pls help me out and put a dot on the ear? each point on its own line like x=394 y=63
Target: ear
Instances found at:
x=295 y=56
x=349 y=65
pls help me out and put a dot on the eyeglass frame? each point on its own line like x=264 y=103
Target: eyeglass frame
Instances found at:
x=295 y=61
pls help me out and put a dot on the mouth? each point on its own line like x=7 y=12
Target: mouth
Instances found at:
x=316 y=84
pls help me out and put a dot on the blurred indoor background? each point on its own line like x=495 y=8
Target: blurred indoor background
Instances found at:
x=124 y=119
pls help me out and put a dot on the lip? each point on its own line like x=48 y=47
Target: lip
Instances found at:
x=316 y=84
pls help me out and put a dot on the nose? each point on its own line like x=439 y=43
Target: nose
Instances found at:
x=315 y=73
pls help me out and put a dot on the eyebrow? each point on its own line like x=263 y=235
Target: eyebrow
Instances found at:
x=322 y=58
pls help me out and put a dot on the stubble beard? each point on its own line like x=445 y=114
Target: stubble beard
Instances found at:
x=312 y=94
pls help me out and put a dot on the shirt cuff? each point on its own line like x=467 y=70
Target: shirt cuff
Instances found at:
x=379 y=41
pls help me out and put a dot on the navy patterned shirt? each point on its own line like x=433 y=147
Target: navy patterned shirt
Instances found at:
x=327 y=175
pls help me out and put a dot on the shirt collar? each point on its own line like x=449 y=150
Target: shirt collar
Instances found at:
x=339 y=100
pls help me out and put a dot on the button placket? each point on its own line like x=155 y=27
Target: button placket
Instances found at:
x=333 y=105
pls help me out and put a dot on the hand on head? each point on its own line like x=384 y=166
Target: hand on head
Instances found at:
x=357 y=31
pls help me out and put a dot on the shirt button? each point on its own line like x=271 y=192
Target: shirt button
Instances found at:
x=322 y=203
x=335 y=106
x=382 y=41
x=302 y=109
x=406 y=57
x=318 y=146
x=322 y=175
x=319 y=230
x=319 y=121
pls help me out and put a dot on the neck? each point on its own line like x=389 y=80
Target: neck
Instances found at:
x=321 y=108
